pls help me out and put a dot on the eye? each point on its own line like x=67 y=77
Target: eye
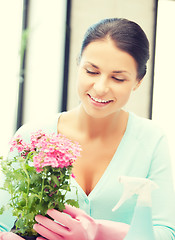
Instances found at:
x=119 y=79
x=91 y=72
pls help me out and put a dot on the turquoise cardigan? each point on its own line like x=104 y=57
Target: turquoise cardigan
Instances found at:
x=143 y=152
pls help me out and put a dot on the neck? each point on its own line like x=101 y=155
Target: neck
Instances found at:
x=101 y=127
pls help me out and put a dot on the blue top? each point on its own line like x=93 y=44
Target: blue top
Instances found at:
x=143 y=152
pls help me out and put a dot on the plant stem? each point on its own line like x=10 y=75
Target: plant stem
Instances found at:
x=28 y=182
x=42 y=188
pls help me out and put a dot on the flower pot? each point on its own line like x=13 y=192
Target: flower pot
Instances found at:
x=30 y=237
x=24 y=237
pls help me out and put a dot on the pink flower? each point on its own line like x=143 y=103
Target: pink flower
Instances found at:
x=18 y=143
x=52 y=150
x=73 y=176
x=57 y=150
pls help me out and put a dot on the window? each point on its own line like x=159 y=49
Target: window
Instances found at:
x=43 y=66
x=11 y=27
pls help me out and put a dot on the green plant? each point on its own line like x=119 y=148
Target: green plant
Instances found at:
x=38 y=178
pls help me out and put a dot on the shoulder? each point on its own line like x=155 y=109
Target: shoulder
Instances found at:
x=148 y=139
x=144 y=129
x=48 y=125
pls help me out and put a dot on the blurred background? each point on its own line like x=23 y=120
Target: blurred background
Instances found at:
x=40 y=41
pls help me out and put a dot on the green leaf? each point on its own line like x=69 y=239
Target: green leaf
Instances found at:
x=22 y=186
x=2 y=209
x=59 y=206
x=30 y=216
x=72 y=202
x=55 y=180
x=20 y=223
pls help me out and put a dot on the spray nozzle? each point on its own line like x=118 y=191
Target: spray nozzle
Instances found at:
x=134 y=185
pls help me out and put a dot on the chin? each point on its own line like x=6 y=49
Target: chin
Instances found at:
x=101 y=114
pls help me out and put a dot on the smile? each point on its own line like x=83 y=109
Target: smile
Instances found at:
x=99 y=100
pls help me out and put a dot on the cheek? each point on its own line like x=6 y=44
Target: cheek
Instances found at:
x=122 y=93
x=81 y=84
x=84 y=82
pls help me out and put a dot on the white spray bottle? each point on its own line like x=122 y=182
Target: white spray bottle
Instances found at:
x=141 y=226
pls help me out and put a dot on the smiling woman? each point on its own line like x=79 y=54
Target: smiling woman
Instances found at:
x=114 y=142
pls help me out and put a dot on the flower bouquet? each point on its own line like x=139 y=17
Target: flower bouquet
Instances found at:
x=38 y=177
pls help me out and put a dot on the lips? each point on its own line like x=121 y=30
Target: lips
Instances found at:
x=99 y=101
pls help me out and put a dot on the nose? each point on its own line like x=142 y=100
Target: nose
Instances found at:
x=101 y=86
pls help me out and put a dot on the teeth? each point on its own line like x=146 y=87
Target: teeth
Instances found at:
x=99 y=100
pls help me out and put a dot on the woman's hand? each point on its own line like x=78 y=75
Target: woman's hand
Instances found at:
x=9 y=236
x=75 y=224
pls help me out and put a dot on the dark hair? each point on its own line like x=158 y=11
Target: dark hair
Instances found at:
x=127 y=35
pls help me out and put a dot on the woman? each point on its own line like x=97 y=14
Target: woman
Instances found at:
x=112 y=64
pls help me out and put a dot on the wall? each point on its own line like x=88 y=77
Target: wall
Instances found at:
x=85 y=13
x=164 y=80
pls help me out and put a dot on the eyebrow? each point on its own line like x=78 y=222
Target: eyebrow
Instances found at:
x=120 y=71
x=93 y=65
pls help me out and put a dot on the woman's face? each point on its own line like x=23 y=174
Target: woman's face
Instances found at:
x=106 y=78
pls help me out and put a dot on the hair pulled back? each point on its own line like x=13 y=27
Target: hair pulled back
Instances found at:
x=127 y=36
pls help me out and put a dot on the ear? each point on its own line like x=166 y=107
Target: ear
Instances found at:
x=137 y=84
